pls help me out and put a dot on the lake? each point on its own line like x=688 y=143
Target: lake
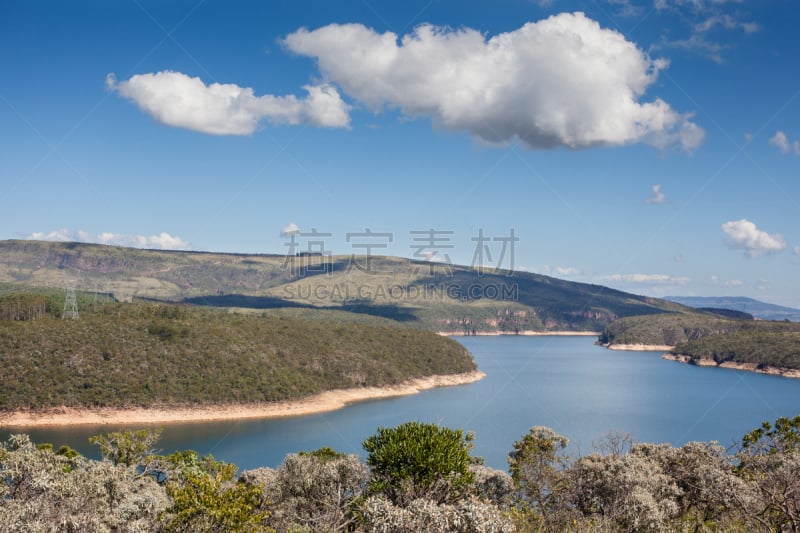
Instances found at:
x=567 y=383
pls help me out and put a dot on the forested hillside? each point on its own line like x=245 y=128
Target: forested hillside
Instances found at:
x=123 y=355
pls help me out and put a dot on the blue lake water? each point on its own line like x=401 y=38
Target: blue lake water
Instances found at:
x=567 y=383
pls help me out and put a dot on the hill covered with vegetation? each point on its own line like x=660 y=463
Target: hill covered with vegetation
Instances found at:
x=416 y=294
x=144 y=354
x=668 y=328
x=705 y=337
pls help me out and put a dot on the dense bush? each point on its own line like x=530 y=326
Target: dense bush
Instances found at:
x=420 y=461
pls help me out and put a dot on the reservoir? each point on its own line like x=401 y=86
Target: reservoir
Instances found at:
x=567 y=383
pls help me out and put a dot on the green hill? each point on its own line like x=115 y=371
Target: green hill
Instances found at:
x=706 y=336
x=416 y=294
x=668 y=329
x=125 y=355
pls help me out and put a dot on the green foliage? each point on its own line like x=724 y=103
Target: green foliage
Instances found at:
x=205 y=498
x=127 y=448
x=536 y=463
x=417 y=460
x=27 y=306
x=326 y=453
x=781 y=437
x=68 y=452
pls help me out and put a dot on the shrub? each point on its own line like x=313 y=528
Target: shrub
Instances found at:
x=416 y=460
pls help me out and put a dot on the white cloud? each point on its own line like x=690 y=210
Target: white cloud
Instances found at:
x=744 y=235
x=626 y=9
x=547 y=270
x=734 y=283
x=566 y=271
x=704 y=18
x=714 y=280
x=162 y=241
x=796 y=250
x=646 y=278
x=658 y=196
x=175 y=99
x=782 y=142
x=290 y=229
x=562 y=81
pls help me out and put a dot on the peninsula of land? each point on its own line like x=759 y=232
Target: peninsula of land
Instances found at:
x=318 y=403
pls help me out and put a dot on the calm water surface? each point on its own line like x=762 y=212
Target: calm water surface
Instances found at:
x=580 y=390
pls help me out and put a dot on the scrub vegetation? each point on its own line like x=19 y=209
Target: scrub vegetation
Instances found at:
x=416 y=477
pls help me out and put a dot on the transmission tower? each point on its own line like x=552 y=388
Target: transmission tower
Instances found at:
x=70 y=301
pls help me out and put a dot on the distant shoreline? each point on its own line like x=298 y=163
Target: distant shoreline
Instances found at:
x=319 y=403
x=526 y=333
x=640 y=347
x=733 y=365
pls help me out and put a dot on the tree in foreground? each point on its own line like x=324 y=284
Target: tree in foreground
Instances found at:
x=416 y=460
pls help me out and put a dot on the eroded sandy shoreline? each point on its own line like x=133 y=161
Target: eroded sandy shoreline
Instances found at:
x=640 y=347
x=326 y=401
x=527 y=333
x=750 y=367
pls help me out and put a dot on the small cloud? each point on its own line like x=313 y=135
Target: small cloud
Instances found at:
x=796 y=250
x=782 y=142
x=548 y=270
x=162 y=241
x=646 y=278
x=566 y=271
x=678 y=258
x=714 y=280
x=748 y=137
x=290 y=229
x=175 y=99
x=657 y=196
x=433 y=256
x=744 y=235
x=734 y=283
x=626 y=9
x=762 y=285
x=706 y=20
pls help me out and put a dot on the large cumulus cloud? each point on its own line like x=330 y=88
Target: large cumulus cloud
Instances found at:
x=562 y=81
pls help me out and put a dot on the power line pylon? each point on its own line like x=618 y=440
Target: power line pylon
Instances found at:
x=70 y=301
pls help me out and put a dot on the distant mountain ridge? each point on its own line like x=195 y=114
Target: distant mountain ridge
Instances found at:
x=448 y=298
x=758 y=309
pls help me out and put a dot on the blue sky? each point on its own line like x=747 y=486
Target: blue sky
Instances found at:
x=650 y=145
